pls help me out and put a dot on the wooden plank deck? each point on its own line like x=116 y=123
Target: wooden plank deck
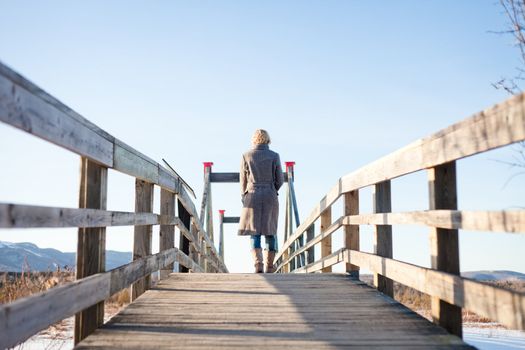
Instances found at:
x=267 y=311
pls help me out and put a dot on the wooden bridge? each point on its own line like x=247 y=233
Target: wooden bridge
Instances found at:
x=202 y=305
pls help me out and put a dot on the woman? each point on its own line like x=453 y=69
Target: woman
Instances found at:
x=261 y=176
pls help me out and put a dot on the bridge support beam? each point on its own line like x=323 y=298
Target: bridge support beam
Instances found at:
x=444 y=243
x=91 y=245
x=142 y=234
x=383 y=234
x=352 y=231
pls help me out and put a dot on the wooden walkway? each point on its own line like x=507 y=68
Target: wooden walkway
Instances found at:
x=277 y=311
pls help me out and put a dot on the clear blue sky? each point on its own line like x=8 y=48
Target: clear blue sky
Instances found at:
x=336 y=83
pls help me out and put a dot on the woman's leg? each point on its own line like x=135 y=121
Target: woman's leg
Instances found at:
x=269 y=252
x=271 y=243
x=255 y=241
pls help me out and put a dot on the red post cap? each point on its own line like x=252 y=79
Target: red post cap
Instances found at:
x=289 y=164
x=221 y=211
x=207 y=165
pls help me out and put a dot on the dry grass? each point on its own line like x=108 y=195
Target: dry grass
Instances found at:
x=14 y=286
x=19 y=285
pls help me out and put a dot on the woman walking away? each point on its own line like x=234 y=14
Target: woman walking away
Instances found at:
x=261 y=176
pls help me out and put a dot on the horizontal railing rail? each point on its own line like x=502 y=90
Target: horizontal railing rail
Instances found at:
x=30 y=109
x=501 y=125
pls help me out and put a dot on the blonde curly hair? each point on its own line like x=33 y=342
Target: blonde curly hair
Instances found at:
x=260 y=136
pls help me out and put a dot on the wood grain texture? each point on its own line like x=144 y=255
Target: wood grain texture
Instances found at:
x=166 y=232
x=31 y=216
x=444 y=243
x=308 y=311
x=142 y=234
x=511 y=221
x=131 y=162
x=91 y=242
x=326 y=242
x=382 y=237
x=351 y=207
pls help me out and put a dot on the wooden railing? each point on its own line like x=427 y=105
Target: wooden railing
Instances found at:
x=498 y=126
x=27 y=107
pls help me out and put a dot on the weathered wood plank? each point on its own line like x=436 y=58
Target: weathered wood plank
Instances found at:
x=166 y=232
x=27 y=107
x=494 y=221
x=444 y=243
x=142 y=234
x=383 y=234
x=351 y=207
x=168 y=181
x=31 y=216
x=135 y=164
x=91 y=245
x=326 y=242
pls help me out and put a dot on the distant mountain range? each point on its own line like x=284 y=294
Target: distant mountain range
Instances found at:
x=15 y=257
x=500 y=275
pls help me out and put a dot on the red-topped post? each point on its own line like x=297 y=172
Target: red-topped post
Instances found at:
x=289 y=169
x=221 y=233
x=207 y=165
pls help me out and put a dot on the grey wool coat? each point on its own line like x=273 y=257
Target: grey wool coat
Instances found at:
x=261 y=176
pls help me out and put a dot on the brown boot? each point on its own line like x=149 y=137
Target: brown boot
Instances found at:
x=269 y=256
x=258 y=260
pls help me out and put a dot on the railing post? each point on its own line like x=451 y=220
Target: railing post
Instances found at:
x=184 y=242
x=352 y=231
x=444 y=245
x=167 y=232
x=326 y=243
x=383 y=234
x=91 y=245
x=310 y=252
x=221 y=234
x=142 y=234
x=195 y=234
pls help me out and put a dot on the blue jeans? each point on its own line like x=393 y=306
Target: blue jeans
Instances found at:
x=271 y=242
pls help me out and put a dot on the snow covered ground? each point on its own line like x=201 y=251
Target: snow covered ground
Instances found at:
x=489 y=338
